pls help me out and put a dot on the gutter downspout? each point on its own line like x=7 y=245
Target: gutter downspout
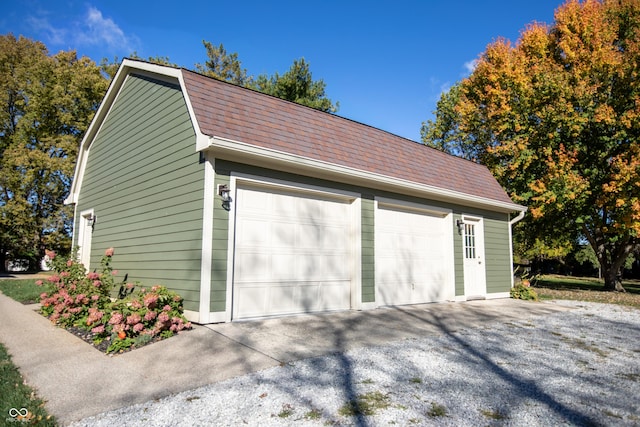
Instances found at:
x=517 y=218
x=511 y=224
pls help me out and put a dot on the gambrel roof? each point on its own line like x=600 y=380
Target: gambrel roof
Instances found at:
x=245 y=125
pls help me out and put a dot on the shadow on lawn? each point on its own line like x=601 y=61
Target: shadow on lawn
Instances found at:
x=564 y=283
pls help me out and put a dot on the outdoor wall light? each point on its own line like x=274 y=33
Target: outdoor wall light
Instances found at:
x=225 y=195
x=460 y=225
x=92 y=220
x=224 y=192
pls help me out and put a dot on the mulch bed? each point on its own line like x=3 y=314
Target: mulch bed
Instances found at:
x=88 y=336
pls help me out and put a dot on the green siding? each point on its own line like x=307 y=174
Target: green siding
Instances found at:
x=220 y=245
x=368 y=249
x=458 y=260
x=145 y=183
x=497 y=256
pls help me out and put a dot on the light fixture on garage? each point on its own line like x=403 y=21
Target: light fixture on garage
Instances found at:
x=92 y=220
x=225 y=195
x=460 y=225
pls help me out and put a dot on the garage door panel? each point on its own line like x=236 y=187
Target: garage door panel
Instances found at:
x=260 y=299
x=281 y=234
x=301 y=260
x=252 y=233
x=251 y=266
x=412 y=260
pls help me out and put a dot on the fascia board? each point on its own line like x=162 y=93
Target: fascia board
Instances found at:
x=240 y=149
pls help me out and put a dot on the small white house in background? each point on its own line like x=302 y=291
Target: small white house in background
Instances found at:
x=44 y=263
x=17 y=265
x=249 y=206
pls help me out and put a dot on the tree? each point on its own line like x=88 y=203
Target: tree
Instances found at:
x=223 y=66
x=556 y=117
x=47 y=103
x=297 y=85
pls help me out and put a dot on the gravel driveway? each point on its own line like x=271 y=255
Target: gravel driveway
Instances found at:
x=579 y=367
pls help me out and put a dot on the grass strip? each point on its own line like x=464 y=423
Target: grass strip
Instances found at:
x=19 y=404
x=22 y=290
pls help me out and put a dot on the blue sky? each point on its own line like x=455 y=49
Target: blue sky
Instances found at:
x=385 y=62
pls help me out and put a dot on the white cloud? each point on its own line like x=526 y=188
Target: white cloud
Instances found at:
x=436 y=89
x=56 y=36
x=470 y=66
x=92 y=29
x=98 y=30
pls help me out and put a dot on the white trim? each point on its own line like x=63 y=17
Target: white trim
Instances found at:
x=354 y=199
x=260 y=181
x=244 y=149
x=84 y=255
x=434 y=210
x=498 y=295
x=356 y=253
x=231 y=249
x=74 y=234
x=510 y=231
x=207 y=239
x=192 y=316
x=218 y=317
x=471 y=218
x=368 y=305
x=511 y=224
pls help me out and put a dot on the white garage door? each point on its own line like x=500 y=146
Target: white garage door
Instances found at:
x=292 y=253
x=413 y=256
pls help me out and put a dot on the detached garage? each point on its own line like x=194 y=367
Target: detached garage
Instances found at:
x=251 y=206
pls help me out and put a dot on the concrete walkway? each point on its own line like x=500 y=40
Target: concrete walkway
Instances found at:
x=78 y=381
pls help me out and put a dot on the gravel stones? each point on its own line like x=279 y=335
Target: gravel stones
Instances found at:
x=579 y=367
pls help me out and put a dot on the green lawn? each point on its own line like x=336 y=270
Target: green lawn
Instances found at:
x=586 y=289
x=583 y=283
x=17 y=399
x=22 y=290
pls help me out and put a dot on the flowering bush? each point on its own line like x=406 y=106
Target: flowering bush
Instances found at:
x=83 y=300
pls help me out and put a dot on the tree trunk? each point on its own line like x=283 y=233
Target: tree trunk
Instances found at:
x=611 y=256
x=3 y=261
x=612 y=280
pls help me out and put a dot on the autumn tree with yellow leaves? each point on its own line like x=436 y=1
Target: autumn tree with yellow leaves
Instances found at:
x=556 y=117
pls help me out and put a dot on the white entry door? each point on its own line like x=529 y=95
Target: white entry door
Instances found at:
x=85 y=232
x=475 y=282
x=293 y=252
x=413 y=255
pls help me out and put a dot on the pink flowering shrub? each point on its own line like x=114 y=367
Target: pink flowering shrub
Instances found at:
x=72 y=293
x=83 y=300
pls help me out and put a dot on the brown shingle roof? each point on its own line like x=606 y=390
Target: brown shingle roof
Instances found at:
x=240 y=114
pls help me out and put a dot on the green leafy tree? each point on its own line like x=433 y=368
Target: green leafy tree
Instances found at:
x=556 y=119
x=223 y=66
x=297 y=85
x=47 y=102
